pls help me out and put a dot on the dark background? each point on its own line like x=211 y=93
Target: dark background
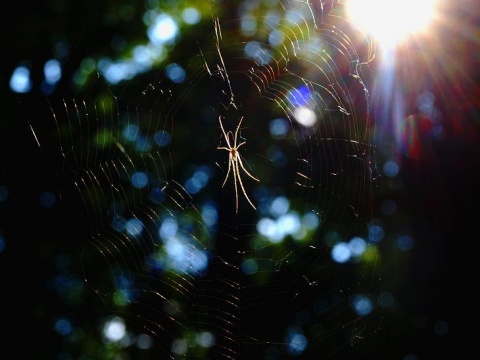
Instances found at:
x=440 y=199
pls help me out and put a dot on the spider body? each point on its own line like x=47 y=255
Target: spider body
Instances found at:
x=235 y=162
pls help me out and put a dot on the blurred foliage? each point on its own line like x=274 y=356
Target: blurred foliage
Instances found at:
x=92 y=280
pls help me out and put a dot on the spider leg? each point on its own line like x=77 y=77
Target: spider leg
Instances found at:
x=229 y=168
x=240 y=181
x=236 y=175
x=236 y=132
x=239 y=160
x=224 y=133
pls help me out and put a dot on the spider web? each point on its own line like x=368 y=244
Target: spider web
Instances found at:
x=167 y=254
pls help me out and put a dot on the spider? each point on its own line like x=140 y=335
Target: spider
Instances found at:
x=235 y=161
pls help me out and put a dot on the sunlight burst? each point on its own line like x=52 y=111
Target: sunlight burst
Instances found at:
x=391 y=21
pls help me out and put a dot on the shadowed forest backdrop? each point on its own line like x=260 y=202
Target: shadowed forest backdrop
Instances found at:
x=119 y=238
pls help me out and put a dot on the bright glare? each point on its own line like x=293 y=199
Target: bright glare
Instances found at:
x=20 y=81
x=114 y=329
x=305 y=116
x=390 y=21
